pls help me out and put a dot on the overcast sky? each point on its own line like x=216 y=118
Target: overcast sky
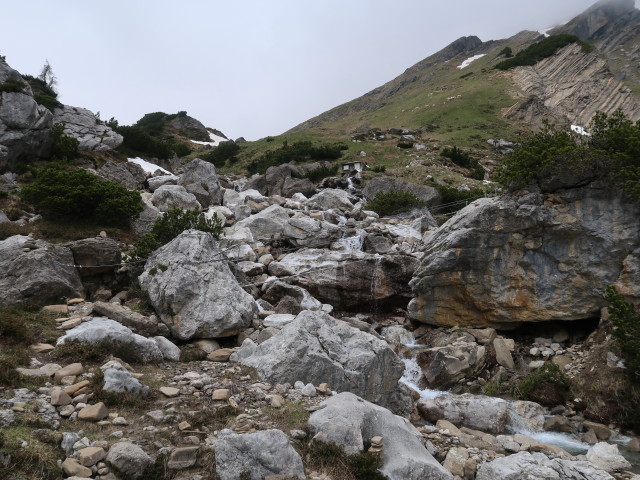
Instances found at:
x=249 y=68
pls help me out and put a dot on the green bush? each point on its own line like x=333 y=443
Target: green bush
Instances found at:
x=322 y=172
x=394 y=202
x=77 y=193
x=299 y=151
x=172 y=224
x=612 y=152
x=139 y=141
x=454 y=199
x=547 y=386
x=330 y=458
x=12 y=85
x=507 y=52
x=541 y=50
x=625 y=318
x=464 y=160
x=223 y=152
x=43 y=93
x=64 y=147
x=379 y=169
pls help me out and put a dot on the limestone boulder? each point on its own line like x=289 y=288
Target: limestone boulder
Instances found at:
x=332 y=198
x=256 y=456
x=316 y=348
x=478 y=412
x=193 y=291
x=267 y=223
x=200 y=178
x=277 y=176
x=168 y=197
x=385 y=184
x=537 y=466
x=97 y=256
x=121 y=381
x=350 y=280
x=291 y=186
x=135 y=321
x=350 y=422
x=98 y=330
x=25 y=126
x=128 y=459
x=34 y=271
x=444 y=366
x=529 y=257
x=83 y=125
x=128 y=174
x=607 y=457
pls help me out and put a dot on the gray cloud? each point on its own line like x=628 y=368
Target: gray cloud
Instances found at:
x=248 y=67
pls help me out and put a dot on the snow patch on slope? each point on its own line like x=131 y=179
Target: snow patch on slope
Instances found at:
x=469 y=60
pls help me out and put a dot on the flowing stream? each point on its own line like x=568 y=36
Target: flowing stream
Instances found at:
x=412 y=378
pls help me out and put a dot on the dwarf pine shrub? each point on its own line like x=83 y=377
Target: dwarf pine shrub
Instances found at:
x=74 y=193
x=394 y=202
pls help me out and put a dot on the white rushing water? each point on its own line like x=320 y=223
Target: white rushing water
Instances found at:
x=413 y=373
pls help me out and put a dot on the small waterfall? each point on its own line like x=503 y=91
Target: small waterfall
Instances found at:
x=563 y=440
x=375 y=284
x=412 y=376
x=413 y=373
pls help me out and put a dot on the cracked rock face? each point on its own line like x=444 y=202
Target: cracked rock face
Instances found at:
x=193 y=291
x=529 y=258
x=316 y=348
x=25 y=126
x=86 y=127
x=34 y=271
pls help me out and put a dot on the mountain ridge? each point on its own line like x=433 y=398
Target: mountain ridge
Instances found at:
x=612 y=26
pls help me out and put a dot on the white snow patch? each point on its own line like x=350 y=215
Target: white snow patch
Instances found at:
x=544 y=32
x=215 y=140
x=468 y=61
x=580 y=130
x=148 y=166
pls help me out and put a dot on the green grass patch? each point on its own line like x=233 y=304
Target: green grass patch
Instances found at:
x=29 y=457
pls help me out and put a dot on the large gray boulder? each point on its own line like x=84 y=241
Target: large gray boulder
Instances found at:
x=98 y=330
x=537 y=466
x=128 y=174
x=121 y=381
x=529 y=258
x=350 y=280
x=267 y=223
x=36 y=272
x=168 y=197
x=332 y=198
x=83 y=125
x=200 y=178
x=479 y=412
x=350 y=422
x=97 y=255
x=193 y=291
x=388 y=184
x=256 y=455
x=128 y=459
x=25 y=126
x=316 y=348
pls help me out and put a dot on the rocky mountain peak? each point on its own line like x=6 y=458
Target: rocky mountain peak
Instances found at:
x=602 y=19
